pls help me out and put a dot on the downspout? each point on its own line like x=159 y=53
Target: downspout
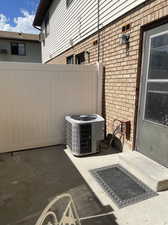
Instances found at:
x=39 y=30
x=98 y=30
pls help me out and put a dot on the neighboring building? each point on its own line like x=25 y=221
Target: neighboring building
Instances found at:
x=19 y=47
x=114 y=33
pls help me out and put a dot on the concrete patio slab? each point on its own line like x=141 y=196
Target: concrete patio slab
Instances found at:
x=152 y=211
x=29 y=180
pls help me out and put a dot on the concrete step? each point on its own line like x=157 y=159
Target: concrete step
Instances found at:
x=148 y=171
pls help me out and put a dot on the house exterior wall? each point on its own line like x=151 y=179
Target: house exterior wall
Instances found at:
x=70 y=25
x=121 y=71
x=33 y=52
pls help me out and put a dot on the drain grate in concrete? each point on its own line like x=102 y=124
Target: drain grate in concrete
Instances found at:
x=123 y=187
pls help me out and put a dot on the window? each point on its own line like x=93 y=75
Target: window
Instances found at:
x=156 y=108
x=70 y=59
x=157 y=103
x=68 y=2
x=18 y=49
x=80 y=58
x=46 y=24
x=158 y=67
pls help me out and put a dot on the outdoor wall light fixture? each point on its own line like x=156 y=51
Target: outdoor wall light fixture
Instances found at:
x=125 y=40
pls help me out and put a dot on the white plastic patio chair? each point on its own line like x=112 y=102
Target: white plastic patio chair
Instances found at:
x=60 y=211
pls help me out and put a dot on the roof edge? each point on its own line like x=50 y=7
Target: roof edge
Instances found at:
x=19 y=36
x=43 y=7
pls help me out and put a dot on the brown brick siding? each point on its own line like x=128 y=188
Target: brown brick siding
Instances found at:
x=120 y=70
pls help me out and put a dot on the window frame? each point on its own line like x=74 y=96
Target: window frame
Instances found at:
x=148 y=80
x=77 y=57
x=70 y=57
x=18 y=43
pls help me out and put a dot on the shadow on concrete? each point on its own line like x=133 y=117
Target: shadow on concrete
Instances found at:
x=31 y=179
x=108 y=151
x=103 y=220
x=115 y=148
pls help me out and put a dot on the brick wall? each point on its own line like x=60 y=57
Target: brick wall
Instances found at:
x=120 y=69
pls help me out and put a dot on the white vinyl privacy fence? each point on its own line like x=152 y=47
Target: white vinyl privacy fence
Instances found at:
x=34 y=99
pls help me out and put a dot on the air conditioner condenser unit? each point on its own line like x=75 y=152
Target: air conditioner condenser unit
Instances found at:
x=84 y=133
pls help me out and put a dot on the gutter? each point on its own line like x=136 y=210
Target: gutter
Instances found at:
x=37 y=28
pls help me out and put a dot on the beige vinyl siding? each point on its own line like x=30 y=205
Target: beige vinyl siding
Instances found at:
x=79 y=20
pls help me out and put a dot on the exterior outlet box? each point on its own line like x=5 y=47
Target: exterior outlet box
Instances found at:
x=126 y=128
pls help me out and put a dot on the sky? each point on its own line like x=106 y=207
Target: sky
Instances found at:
x=18 y=15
